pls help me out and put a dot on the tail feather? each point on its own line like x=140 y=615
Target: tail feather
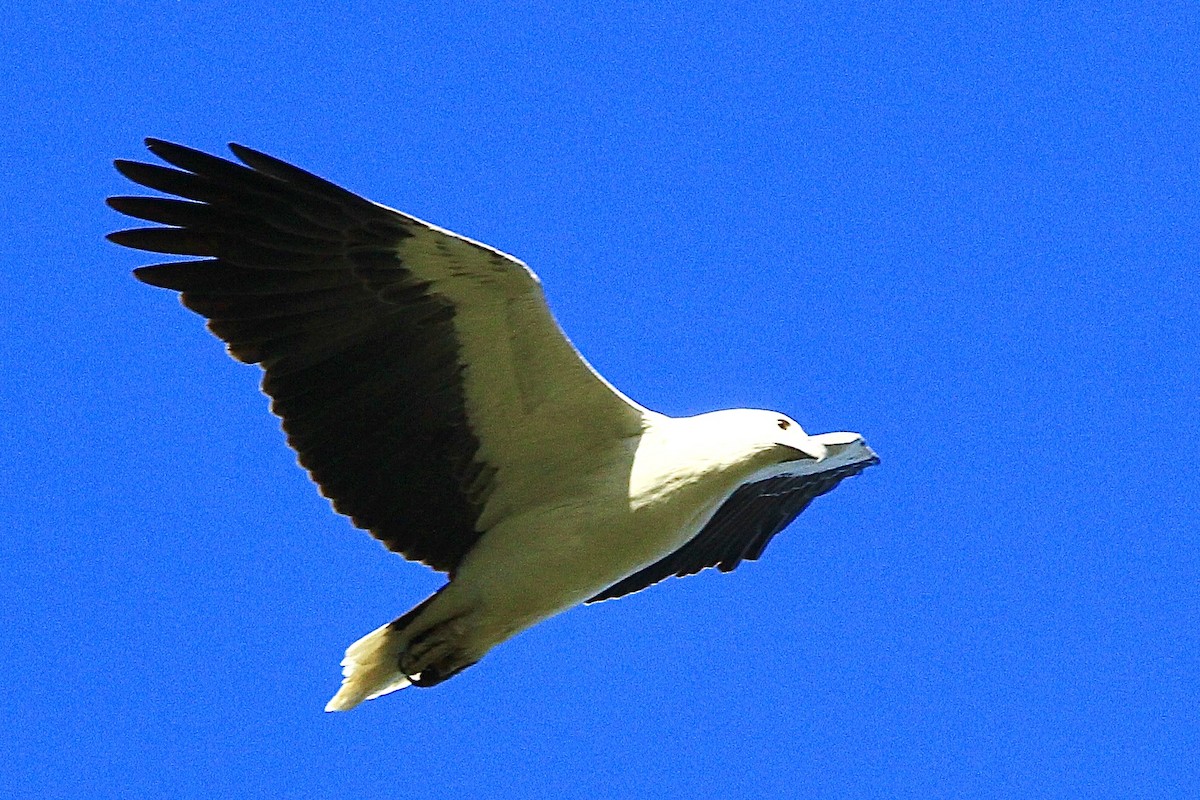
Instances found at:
x=371 y=668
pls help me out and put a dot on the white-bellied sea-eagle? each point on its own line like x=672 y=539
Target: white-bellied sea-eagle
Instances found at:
x=432 y=397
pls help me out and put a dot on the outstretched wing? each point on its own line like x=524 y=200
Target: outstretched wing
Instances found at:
x=420 y=376
x=740 y=529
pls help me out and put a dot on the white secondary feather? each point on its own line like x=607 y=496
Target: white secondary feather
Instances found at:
x=534 y=402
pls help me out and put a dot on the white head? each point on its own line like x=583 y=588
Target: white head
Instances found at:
x=721 y=449
x=771 y=438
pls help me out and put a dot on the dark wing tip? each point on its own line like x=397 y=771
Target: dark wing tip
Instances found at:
x=147 y=276
x=294 y=176
x=242 y=152
x=178 y=276
x=170 y=241
x=170 y=151
x=128 y=168
x=266 y=164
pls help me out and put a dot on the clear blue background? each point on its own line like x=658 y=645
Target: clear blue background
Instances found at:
x=972 y=235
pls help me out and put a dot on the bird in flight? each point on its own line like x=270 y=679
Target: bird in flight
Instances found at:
x=429 y=392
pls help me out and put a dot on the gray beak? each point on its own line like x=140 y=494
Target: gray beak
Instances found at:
x=811 y=448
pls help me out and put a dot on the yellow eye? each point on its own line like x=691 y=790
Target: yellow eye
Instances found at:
x=784 y=424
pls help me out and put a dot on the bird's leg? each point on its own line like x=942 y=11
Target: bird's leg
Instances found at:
x=437 y=653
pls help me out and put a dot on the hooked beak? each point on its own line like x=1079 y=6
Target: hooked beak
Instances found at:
x=810 y=449
x=838 y=442
x=838 y=438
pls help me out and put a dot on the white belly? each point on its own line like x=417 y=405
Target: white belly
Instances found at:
x=536 y=565
x=622 y=517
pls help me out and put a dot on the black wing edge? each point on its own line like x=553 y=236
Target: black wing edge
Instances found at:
x=302 y=277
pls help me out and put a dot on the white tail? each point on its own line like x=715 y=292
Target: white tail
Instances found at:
x=371 y=668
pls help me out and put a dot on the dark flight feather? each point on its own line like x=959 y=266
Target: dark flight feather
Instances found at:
x=361 y=360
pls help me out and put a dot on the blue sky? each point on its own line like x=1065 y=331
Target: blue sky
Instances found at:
x=970 y=234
